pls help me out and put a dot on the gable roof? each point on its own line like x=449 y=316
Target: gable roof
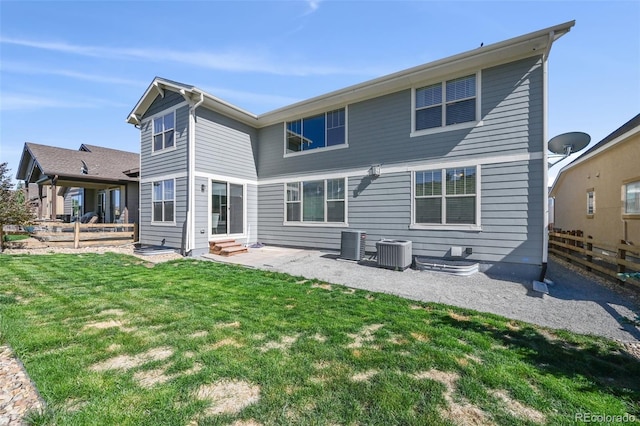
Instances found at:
x=531 y=44
x=621 y=134
x=40 y=163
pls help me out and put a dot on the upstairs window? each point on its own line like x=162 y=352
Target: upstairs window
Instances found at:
x=632 y=198
x=319 y=131
x=446 y=104
x=163 y=132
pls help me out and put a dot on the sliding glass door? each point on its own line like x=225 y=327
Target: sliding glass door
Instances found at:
x=227 y=208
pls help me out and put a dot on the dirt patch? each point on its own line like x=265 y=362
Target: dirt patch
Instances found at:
x=112 y=312
x=149 y=378
x=323 y=286
x=74 y=404
x=364 y=376
x=364 y=336
x=249 y=422
x=517 y=409
x=459 y=317
x=102 y=325
x=114 y=347
x=420 y=337
x=459 y=413
x=224 y=342
x=228 y=396
x=198 y=334
x=127 y=362
x=285 y=343
x=319 y=338
x=235 y=324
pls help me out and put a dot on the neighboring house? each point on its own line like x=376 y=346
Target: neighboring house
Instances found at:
x=599 y=192
x=92 y=178
x=447 y=154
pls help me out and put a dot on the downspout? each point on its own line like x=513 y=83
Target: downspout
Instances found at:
x=545 y=158
x=190 y=231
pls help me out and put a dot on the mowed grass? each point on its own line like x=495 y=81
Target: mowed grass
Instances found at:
x=112 y=340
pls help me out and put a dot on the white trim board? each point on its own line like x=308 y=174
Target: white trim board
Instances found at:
x=408 y=167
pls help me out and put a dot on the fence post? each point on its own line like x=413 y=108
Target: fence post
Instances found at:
x=622 y=255
x=589 y=251
x=76 y=234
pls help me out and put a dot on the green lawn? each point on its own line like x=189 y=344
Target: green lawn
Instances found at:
x=112 y=340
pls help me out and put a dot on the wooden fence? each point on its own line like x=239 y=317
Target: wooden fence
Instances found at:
x=82 y=235
x=594 y=255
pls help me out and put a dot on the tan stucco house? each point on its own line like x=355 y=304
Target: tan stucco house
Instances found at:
x=599 y=192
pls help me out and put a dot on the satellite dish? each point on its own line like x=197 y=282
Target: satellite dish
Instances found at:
x=568 y=143
x=84 y=169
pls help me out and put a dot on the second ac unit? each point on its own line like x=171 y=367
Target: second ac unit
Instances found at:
x=394 y=254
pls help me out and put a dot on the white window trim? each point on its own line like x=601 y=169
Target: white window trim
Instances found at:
x=211 y=235
x=175 y=133
x=326 y=148
x=477 y=123
x=625 y=214
x=324 y=224
x=164 y=223
x=446 y=226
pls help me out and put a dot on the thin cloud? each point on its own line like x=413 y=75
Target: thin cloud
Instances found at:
x=313 y=6
x=29 y=69
x=24 y=101
x=236 y=61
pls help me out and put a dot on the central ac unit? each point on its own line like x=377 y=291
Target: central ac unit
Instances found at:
x=394 y=254
x=352 y=245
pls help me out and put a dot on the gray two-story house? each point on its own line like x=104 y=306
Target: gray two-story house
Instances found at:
x=447 y=154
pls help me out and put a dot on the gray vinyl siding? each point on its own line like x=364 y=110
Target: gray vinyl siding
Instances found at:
x=379 y=129
x=169 y=161
x=161 y=165
x=151 y=234
x=224 y=146
x=160 y=104
x=512 y=225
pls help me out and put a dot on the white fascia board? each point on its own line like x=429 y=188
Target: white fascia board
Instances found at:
x=601 y=150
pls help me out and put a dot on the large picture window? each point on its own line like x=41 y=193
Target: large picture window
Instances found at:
x=445 y=104
x=632 y=198
x=319 y=131
x=446 y=196
x=316 y=201
x=163 y=132
x=163 y=200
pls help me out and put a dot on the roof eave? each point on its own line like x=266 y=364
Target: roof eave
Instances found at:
x=190 y=93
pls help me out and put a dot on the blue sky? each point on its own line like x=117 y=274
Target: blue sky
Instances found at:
x=70 y=72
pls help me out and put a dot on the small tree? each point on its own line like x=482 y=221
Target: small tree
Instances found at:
x=13 y=208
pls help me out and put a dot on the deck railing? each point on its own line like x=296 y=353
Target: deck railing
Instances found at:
x=82 y=235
